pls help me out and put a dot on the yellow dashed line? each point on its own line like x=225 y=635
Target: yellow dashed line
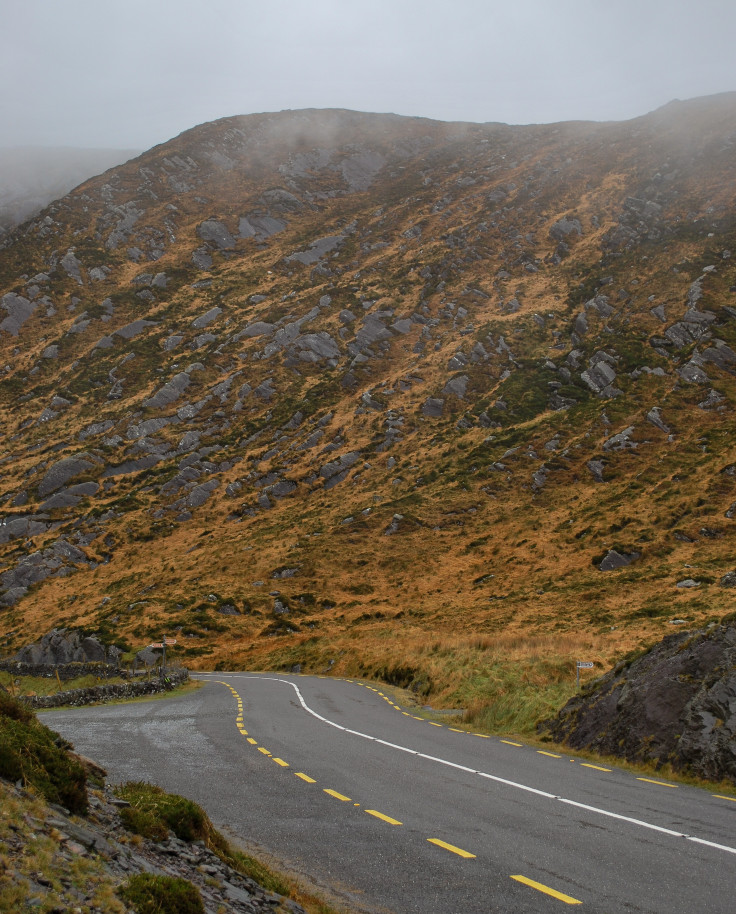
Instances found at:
x=305 y=777
x=547 y=890
x=451 y=847
x=550 y=754
x=486 y=736
x=280 y=761
x=434 y=724
x=455 y=730
x=338 y=796
x=730 y=799
x=380 y=815
x=264 y=751
x=658 y=783
x=252 y=741
x=597 y=767
x=509 y=743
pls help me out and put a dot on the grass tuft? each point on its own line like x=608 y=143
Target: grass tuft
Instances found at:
x=150 y=894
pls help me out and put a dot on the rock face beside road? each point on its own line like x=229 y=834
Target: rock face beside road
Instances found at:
x=62 y=646
x=675 y=704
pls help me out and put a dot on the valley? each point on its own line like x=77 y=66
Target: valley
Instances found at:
x=447 y=405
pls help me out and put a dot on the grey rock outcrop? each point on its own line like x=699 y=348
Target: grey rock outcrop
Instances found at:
x=169 y=392
x=675 y=704
x=613 y=560
x=206 y=319
x=601 y=375
x=59 y=559
x=61 y=472
x=432 y=407
x=216 y=232
x=19 y=309
x=337 y=470
x=60 y=646
x=564 y=229
x=457 y=386
x=655 y=418
x=22 y=526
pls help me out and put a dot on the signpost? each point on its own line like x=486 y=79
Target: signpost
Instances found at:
x=582 y=665
x=163 y=644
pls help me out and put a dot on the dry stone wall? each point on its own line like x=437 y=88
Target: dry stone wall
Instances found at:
x=109 y=692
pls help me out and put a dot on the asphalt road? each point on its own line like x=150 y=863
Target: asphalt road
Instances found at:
x=395 y=813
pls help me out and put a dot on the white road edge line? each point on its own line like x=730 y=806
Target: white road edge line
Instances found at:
x=492 y=777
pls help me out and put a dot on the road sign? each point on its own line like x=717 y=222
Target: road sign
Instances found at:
x=170 y=641
x=581 y=665
x=157 y=644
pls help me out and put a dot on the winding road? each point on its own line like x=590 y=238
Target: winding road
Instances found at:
x=395 y=813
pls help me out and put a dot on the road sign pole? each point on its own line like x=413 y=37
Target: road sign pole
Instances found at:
x=581 y=665
x=163 y=659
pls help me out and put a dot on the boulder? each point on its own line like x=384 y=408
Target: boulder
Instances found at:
x=432 y=407
x=565 y=228
x=60 y=646
x=457 y=386
x=216 y=232
x=613 y=560
x=169 y=392
x=19 y=309
x=674 y=704
x=61 y=472
x=205 y=319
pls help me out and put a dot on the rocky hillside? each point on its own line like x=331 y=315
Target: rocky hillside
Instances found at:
x=291 y=385
x=675 y=704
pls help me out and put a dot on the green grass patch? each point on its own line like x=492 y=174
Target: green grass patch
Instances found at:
x=49 y=685
x=516 y=704
x=153 y=813
x=150 y=894
x=35 y=755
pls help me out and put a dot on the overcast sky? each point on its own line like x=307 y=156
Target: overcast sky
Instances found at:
x=133 y=73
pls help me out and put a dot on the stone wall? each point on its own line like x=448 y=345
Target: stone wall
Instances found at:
x=111 y=692
x=66 y=671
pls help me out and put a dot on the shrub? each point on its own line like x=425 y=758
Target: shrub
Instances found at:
x=35 y=755
x=150 y=894
x=153 y=812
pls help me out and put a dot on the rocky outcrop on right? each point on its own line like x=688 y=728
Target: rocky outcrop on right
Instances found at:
x=675 y=704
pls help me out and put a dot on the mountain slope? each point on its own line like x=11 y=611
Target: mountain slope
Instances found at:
x=378 y=393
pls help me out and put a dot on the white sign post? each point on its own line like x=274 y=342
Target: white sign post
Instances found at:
x=582 y=665
x=165 y=641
